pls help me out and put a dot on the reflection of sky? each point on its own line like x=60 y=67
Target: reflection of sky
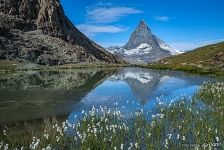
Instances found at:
x=111 y=91
x=172 y=89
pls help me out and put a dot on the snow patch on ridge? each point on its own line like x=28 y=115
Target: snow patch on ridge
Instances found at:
x=141 y=49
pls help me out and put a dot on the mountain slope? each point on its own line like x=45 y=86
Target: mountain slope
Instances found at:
x=39 y=32
x=143 y=47
x=205 y=60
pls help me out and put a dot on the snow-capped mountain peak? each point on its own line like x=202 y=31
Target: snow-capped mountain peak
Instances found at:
x=143 y=46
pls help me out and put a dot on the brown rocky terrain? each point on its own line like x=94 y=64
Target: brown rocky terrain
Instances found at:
x=37 y=31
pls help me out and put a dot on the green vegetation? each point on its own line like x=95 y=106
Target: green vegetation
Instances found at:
x=13 y=65
x=208 y=60
x=195 y=123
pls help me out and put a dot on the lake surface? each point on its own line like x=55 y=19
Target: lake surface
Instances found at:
x=40 y=94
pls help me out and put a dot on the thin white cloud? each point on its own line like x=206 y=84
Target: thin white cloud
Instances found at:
x=109 y=14
x=186 y=46
x=161 y=18
x=109 y=44
x=91 y=30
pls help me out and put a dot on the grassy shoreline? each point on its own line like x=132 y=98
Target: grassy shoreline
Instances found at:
x=195 y=123
x=188 y=69
x=10 y=66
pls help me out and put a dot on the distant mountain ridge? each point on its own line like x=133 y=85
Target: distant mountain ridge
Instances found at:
x=143 y=47
x=39 y=32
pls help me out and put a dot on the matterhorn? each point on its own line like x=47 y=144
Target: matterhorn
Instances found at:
x=143 y=47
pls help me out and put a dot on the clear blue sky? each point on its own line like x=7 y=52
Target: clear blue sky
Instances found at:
x=183 y=24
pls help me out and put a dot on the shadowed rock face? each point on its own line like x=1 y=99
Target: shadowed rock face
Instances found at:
x=39 y=32
x=142 y=34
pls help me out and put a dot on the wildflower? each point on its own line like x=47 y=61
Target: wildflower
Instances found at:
x=217 y=139
x=184 y=138
x=166 y=144
x=34 y=143
x=136 y=145
x=6 y=147
x=153 y=124
x=4 y=132
x=131 y=145
x=122 y=146
x=161 y=116
x=209 y=129
x=47 y=148
x=46 y=136
x=57 y=138
x=1 y=144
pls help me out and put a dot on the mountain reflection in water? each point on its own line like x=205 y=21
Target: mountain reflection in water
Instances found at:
x=137 y=88
x=40 y=94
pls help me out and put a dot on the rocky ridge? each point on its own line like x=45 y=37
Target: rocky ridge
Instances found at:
x=37 y=31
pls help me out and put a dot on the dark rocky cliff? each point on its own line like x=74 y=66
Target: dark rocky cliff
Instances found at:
x=38 y=31
x=142 y=34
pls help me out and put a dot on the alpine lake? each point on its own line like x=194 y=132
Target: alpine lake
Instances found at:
x=33 y=95
x=110 y=108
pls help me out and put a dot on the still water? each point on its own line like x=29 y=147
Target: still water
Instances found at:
x=40 y=94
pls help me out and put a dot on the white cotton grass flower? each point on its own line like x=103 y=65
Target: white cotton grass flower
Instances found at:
x=136 y=145
x=47 y=148
x=122 y=146
x=4 y=132
x=216 y=131
x=46 y=135
x=1 y=144
x=35 y=143
x=6 y=147
x=58 y=138
x=169 y=136
x=131 y=145
x=217 y=139
x=166 y=143
x=184 y=138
